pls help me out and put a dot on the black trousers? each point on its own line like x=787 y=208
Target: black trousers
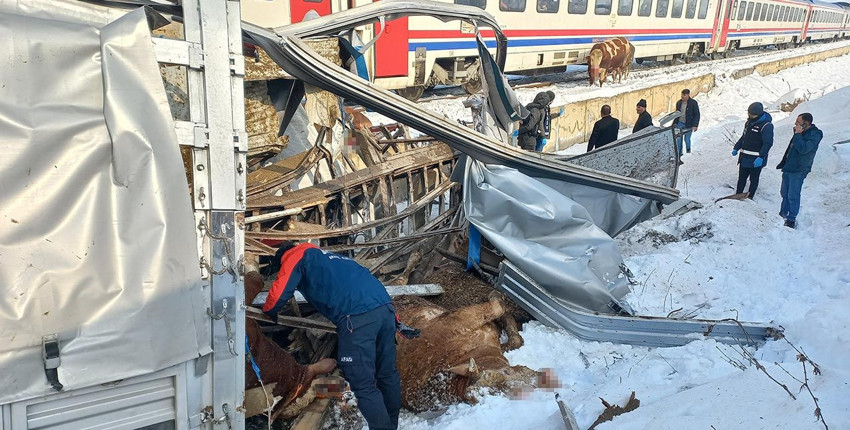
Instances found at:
x=753 y=174
x=367 y=356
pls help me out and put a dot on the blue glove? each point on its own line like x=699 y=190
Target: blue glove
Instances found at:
x=544 y=142
x=561 y=112
x=759 y=162
x=734 y=152
x=515 y=133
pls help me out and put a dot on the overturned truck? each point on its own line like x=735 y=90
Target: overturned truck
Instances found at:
x=108 y=260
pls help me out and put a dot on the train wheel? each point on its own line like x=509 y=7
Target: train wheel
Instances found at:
x=411 y=93
x=472 y=87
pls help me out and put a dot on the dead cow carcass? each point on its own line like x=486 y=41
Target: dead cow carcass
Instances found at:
x=457 y=353
x=613 y=56
x=283 y=378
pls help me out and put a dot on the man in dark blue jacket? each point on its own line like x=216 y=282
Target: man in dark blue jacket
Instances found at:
x=796 y=164
x=753 y=147
x=688 y=122
x=347 y=294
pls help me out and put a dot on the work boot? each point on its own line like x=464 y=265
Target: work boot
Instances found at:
x=790 y=223
x=688 y=150
x=681 y=162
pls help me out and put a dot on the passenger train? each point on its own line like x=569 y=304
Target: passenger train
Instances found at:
x=545 y=36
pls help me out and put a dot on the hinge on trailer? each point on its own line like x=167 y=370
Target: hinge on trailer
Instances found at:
x=240 y=140
x=50 y=356
x=196 y=56
x=202 y=137
x=237 y=65
x=231 y=343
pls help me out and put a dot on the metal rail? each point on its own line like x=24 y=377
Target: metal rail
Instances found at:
x=637 y=330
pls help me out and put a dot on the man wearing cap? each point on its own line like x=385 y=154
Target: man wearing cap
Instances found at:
x=348 y=295
x=753 y=147
x=644 y=118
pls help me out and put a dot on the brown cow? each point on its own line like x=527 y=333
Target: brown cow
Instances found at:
x=614 y=56
x=457 y=354
x=293 y=380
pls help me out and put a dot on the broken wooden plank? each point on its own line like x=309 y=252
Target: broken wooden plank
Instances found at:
x=400 y=239
x=258 y=400
x=422 y=290
x=305 y=323
x=395 y=165
x=410 y=210
x=314 y=416
x=273 y=215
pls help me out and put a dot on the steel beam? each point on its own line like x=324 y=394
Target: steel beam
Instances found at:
x=637 y=330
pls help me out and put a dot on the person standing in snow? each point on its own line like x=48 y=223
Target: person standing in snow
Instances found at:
x=688 y=121
x=796 y=164
x=532 y=125
x=604 y=131
x=547 y=123
x=753 y=147
x=644 y=118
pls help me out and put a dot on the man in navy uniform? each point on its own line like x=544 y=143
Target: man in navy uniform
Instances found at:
x=753 y=147
x=348 y=295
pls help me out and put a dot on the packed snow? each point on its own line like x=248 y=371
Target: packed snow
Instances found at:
x=729 y=259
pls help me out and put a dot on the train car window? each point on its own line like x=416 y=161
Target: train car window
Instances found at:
x=548 y=6
x=603 y=7
x=777 y=13
x=756 y=12
x=677 y=8
x=771 y=13
x=763 y=13
x=734 y=10
x=691 y=10
x=703 y=9
x=750 y=11
x=645 y=8
x=624 y=7
x=512 y=5
x=661 y=8
x=742 y=10
x=481 y=4
x=577 y=6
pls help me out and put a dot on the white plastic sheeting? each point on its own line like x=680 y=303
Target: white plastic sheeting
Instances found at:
x=97 y=235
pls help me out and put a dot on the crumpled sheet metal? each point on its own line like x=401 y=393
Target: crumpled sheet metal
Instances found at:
x=97 y=236
x=546 y=234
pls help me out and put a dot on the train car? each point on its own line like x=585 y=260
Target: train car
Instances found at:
x=825 y=21
x=760 y=23
x=412 y=54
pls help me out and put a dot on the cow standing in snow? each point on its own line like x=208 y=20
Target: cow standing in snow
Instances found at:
x=614 y=56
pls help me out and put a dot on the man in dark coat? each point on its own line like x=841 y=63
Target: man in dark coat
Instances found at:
x=547 y=123
x=532 y=125
x=688 y=120
x=350 y=297
x=604 y=131
x=644 y=118
x=796 y=164
x=753 y=147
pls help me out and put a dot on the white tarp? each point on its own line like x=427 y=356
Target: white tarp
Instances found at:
x=97 y=237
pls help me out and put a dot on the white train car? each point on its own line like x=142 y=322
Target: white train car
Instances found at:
x=544 y=36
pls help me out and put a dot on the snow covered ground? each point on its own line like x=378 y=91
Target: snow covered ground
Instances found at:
x=728 y=259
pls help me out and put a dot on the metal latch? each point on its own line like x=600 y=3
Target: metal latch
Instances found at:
x=50 y=356
x=223 y=315
x=224 y=418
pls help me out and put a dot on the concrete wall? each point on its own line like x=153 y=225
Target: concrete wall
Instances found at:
x=578 y=119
